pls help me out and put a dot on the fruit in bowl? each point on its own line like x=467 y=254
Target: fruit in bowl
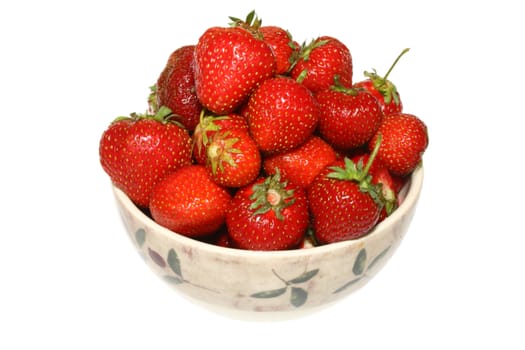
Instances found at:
x=282 y=186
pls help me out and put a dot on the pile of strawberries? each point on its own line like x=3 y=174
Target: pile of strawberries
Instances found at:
x=253 y=141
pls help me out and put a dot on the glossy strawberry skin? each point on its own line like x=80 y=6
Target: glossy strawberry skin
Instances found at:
x=392 y=107
x=251 y=231
x=339 y=209
x=229 y=64
x=281 y=115
x=404 y=141
x=189 y=202
x=282 y=45
x=302 y=164
x=138 y=154
x=233 y=158
x=175 y=87
x=317 y=67
x=348 y=119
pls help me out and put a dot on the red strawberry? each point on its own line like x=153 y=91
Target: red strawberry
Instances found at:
x=404 y=140
x=229 y=64
x=138 y=152
x=189 y=202
x=344 y=204
x=383 y=89
x=301 y=165
x=208 y=126
x=285 y=49
x=321 y=61
x=233 y=158
x=381 y=176
x=175 y=87
x=269 y=214
x=349 y=117
x=281 y=114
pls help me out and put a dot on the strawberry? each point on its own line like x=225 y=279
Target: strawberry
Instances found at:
x=321 y=61
x=349 y=117
x=233 y=158
x=189 y=202
x=284 y=48
x=302 y=164
x=175 y=87
x=208 y=126
x=269 y=214
x=381 y=176
x=281 y=114
x=229 y=64
x=383 y=89
x=137 y=152
x=344 y=203
x=404 y=140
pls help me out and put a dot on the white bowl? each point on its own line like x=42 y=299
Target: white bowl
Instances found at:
x=289 y=280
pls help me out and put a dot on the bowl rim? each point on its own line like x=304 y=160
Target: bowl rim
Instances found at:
x=415 y=182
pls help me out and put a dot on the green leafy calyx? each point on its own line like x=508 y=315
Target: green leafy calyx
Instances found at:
x=163 y=115
x=271 y=194
x=358 y=173
x=251 y=23
x=221 y=150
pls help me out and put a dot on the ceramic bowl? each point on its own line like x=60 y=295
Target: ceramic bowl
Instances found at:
x=268 y=281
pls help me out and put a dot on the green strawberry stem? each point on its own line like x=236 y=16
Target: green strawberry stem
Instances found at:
x=373 y=154
x=395 y=62
x=383 y=85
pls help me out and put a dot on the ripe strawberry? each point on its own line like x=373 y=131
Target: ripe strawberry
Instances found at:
x=268 y=214
x=381 y=176
x=175 y=87
x=281 y=114
x=229 y=64
x=344 y=204
x=208 y=126
x=138 y=152
x=285 y=49
x=189 y=202
x=349 y=117
x=383 y=89
x=302 y=164
x=321 y=61
x=233 y=158
x=405 y=139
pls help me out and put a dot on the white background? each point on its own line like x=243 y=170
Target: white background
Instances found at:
x=70 y=278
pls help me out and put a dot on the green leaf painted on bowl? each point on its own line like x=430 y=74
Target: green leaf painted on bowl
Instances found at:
x=359 y=263
x=360 y=267
x=298 y=296
x=269 y=293
x=173 y=279
x=174 y=262
x=348 y=284
x=140 y=237
x=304 y=277
x=378 y=257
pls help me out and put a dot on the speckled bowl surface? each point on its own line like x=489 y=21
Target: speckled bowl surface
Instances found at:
x=268 y=281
